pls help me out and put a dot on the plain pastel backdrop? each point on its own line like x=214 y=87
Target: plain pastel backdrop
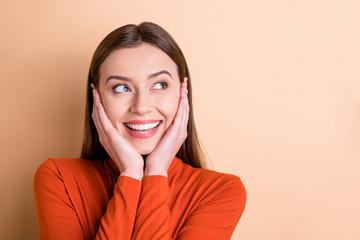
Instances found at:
x=276 y=100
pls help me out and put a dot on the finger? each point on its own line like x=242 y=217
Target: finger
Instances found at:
x=187 y=105
x=95 y=116
x=179 y=118
x=186 y=113
x=183 y=104
x=97 y=97
x=103 y=118
x=184 y=93
x=183 y=89
x=98 y=117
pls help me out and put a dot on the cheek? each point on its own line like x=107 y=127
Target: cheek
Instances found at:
x=168 y=108
x=115 y=110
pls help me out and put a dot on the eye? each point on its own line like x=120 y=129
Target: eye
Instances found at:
x=160 y=85
x=121 y=88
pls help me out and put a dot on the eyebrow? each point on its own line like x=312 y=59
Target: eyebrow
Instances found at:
x=117 y=77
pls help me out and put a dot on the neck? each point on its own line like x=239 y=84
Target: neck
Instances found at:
x=144 y=158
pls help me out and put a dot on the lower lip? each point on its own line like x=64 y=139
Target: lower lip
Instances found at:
x=143 y=135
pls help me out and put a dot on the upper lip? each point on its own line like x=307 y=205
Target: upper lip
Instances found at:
x=142 y=121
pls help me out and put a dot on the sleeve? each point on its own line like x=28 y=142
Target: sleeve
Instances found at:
x=58 y=218
x=216 y=218
x=152 y=218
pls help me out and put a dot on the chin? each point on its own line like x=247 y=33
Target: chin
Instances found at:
x=144 y=150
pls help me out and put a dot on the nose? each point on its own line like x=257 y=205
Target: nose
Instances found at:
x=141 y=104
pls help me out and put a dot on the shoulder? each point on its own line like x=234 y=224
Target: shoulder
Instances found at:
x=224 y=183
x=56 y=170
x=54 y=165
x=48 y=170
x=70 y=178
x=69 y=164
x=221 y=181
x=217 y=186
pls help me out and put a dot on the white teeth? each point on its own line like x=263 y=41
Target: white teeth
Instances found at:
x=143 y=126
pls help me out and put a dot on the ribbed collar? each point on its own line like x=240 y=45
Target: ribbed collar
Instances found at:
x=113 y=170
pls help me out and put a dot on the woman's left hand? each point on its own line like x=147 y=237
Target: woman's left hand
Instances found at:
x=159 y=160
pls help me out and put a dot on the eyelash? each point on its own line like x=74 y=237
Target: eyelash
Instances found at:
x=125 y=85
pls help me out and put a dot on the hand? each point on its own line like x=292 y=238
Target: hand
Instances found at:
x=129 y=162
x=159 y=160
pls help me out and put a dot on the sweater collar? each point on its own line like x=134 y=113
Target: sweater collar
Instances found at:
x=113 y=170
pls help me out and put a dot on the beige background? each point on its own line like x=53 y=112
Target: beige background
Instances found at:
x=276 y=98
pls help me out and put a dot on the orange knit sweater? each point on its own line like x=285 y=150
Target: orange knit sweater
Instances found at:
x=87 y=199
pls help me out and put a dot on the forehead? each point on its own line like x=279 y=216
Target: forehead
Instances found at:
x=137 y=62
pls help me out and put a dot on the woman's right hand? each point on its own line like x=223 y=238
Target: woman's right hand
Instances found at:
x=129 y=162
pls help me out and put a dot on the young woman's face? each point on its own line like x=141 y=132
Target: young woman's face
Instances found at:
x=140 y=91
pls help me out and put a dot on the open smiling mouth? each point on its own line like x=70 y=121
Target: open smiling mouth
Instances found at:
x=143 y=128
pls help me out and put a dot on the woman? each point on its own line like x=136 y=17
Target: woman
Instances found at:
x=141 y=173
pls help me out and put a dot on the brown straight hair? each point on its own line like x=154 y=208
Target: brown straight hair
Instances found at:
x=127 y=36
